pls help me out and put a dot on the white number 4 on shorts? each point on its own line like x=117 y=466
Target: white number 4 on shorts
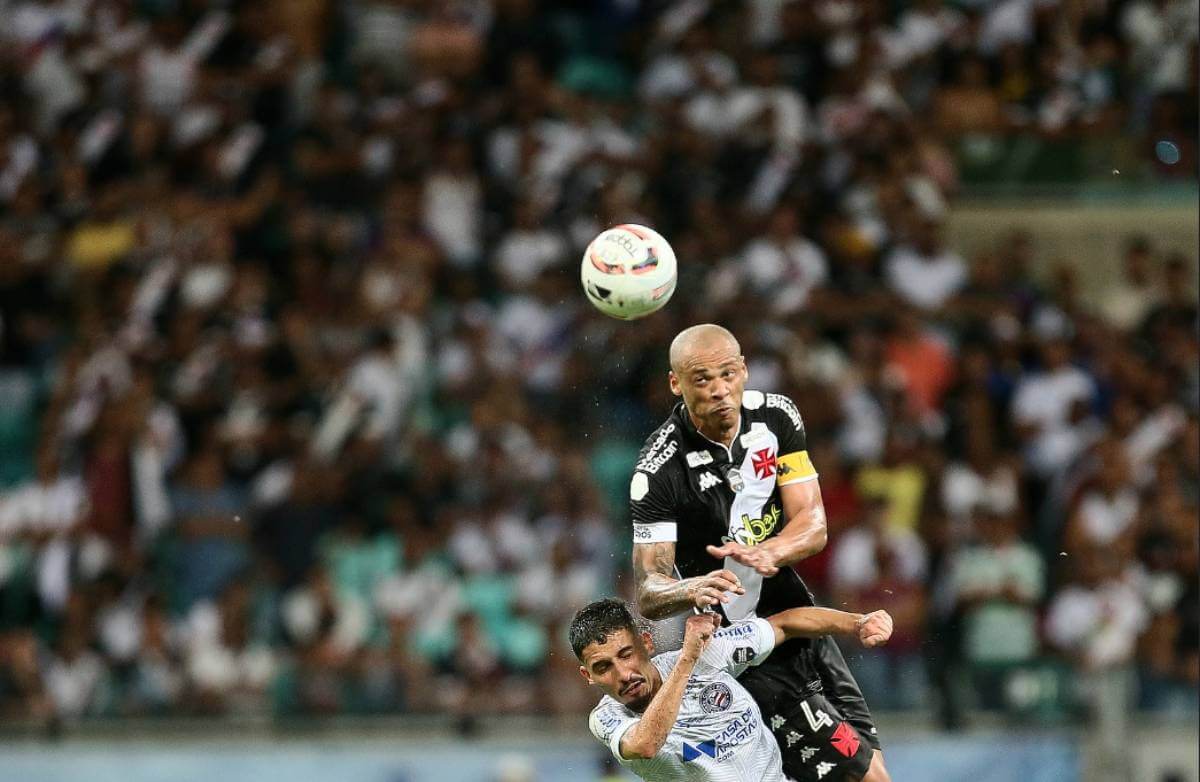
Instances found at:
x=816 y=719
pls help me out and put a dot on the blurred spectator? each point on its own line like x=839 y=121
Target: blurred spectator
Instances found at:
x=923 y=362
x=876 y=564
x=998 y=581
x=209 y=528
x=1096 y=622
x=1051 y=407
x=923 y=272
x=1107 y=515
x=1128 y=302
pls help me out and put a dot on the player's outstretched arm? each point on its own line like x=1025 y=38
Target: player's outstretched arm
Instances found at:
x=646 y=738
x=873 y=629
x=803 y=536
x=660 y=594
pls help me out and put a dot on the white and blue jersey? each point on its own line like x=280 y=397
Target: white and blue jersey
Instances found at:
x=719 y=733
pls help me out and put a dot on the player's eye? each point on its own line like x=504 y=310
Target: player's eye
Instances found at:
x=727 y=373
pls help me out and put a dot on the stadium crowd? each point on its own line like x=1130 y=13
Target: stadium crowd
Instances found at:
x=301 y=409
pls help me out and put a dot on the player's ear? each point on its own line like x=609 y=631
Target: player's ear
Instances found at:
x=674 y=381
x=648 y=643
x=587 y=677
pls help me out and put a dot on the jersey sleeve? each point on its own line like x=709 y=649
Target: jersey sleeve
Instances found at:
x=793 y=464
x=653 y=499
x=609 y=724
x=738 y=646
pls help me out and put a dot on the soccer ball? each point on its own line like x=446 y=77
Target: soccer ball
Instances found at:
x=628 y=271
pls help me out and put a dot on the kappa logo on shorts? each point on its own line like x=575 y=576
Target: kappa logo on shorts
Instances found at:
x=845 y=740
x=806 y=754
x=715 y=697
x=823 y=769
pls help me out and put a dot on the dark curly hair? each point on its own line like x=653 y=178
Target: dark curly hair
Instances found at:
x=597 y=620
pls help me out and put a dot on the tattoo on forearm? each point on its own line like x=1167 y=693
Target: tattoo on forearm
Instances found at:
x=659 y=593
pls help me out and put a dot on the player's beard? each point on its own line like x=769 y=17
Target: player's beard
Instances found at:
x=640 y=703
x=717 y=422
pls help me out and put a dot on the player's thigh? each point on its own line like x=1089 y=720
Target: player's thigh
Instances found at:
x=841 y=688
x=877 y=772
x=818 y=744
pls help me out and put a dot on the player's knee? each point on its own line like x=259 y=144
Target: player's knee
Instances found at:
x=876 y=772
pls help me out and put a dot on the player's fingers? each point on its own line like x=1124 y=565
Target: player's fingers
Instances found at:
x=726 y=579
x=761 y=562
x=728 y=575
x=725 y=584
x=879 y=629
x=714 y=596
x=720 y=552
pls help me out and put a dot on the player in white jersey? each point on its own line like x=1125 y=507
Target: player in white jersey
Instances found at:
x=683 y=715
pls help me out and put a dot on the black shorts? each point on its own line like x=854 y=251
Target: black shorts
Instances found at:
x=813 y=673
x=803 y=667
x=819 y=744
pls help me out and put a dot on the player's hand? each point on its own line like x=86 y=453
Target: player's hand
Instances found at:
x=697 y=633
x=757 y=557
x=874 y=629
x=708 y=590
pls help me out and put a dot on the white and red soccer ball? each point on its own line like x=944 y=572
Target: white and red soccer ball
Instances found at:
x=628 y=271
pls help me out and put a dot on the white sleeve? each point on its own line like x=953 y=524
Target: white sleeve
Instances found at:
x=740 y=645
x=609 y=724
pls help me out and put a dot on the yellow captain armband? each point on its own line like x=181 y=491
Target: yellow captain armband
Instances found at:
x=794 y=468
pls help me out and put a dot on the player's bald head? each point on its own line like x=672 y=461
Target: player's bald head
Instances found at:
x=700 y=338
